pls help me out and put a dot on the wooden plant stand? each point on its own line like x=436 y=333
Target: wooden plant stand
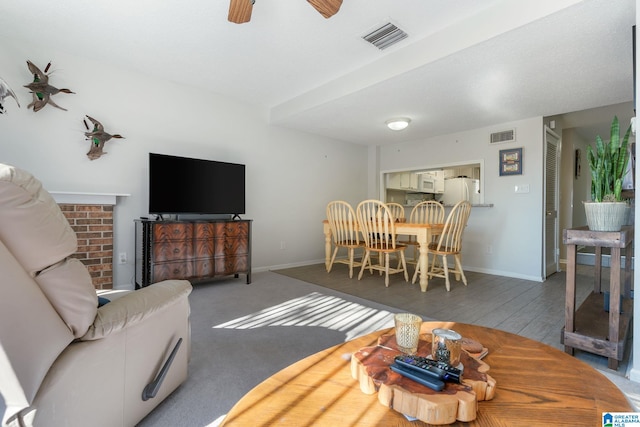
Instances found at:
x=457 y=402
x=590 y=327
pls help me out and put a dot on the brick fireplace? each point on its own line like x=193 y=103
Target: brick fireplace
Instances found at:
x=93 y=225
x=91 y=217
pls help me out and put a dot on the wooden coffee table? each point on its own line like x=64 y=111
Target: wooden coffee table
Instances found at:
x=537 y=385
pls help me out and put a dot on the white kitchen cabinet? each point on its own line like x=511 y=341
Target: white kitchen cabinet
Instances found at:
x=463 y=171
x=393 y=180
x=403 y=181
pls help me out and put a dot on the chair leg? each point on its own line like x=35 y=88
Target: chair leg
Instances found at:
x=386 y=269
x=434 y=265
x=435 y=262
x=351 y=251
x=365 y=259
x=446 y=272
x=404 y=266
x=333 y=258
x=458 y=260
x=417 y=270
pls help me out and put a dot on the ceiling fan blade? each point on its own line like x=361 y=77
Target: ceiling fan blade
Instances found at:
x=327 y=8
x=240 y=11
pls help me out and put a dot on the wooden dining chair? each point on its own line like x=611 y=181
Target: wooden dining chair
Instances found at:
x=377 y=225
x=427 y=212
x=343 y=223
x=449 y=243
x=397 y=210
x=399 y=215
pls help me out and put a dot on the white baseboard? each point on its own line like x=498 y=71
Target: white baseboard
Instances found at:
x=504 y=274
x=291 y=265
x=477 y=270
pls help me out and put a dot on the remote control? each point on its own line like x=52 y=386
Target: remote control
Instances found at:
x=454 y=374
x=410 y=362
x=425 y=380
x=431 y=367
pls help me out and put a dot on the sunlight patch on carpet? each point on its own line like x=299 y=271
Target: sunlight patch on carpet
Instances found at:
x=316 y=309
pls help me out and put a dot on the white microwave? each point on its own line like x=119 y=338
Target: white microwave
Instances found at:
x=427 y=184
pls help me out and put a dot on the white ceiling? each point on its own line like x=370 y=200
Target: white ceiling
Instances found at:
x=466 y=63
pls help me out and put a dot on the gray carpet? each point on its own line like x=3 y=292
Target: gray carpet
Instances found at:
x=242 y=334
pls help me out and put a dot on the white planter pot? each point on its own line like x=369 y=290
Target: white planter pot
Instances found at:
x=606 y=216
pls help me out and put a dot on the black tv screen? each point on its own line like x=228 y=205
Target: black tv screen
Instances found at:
x=182 y=185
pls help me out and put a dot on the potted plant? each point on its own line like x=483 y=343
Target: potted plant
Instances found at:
x=608 y=164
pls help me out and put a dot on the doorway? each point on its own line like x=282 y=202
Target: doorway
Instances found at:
x=551 y=202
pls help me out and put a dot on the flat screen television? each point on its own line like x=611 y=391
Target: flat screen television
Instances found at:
x=182 y=185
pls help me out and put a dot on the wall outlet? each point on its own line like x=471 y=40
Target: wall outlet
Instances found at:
x=283 y=245
x=122 y=258
x=489 y=249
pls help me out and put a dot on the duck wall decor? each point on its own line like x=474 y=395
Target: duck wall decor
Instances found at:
x=41 y=89
x=98 y=138
x=5 y=91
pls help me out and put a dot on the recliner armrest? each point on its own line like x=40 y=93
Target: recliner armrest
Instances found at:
x=135 y=307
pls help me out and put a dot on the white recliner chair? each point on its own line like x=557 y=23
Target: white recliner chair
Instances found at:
x=63 y=360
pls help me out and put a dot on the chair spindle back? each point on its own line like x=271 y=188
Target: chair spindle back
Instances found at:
x=342 y=220
x=377 y=224
x=451 y=237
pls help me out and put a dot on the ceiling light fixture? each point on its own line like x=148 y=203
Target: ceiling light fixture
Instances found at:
x=398 y=123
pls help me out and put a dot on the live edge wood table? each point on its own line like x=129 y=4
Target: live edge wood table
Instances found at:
x=591 y=328
x=537 y=385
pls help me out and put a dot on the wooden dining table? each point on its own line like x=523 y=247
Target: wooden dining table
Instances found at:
x=422 y=232
x=536 y=385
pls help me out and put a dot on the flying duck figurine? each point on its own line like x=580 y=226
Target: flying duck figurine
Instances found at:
x=41 y=89
x=5 y=91
x=98 y=138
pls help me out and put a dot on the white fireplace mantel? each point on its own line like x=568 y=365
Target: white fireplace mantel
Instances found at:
x=78 y=198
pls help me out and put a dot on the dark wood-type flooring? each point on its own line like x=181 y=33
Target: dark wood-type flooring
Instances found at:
x=528 y=308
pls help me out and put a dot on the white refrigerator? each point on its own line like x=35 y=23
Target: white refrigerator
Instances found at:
x=456 y=189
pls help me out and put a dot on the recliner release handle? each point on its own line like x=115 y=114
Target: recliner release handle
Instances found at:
x=153 y=387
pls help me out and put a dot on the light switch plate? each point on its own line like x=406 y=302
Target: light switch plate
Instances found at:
x=524 y=188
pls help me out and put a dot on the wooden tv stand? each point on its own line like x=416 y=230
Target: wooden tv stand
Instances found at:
x=195 y=250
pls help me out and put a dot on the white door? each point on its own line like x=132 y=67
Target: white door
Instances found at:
x=551 y=201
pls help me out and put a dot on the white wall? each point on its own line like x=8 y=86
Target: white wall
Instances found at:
x=513 y=227
x=582 y=184
x=290 y=175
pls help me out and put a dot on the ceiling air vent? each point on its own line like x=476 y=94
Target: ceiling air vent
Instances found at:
x=503 y=136
x=385 y=36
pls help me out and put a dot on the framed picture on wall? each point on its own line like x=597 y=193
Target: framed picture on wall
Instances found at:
x=511 y=162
